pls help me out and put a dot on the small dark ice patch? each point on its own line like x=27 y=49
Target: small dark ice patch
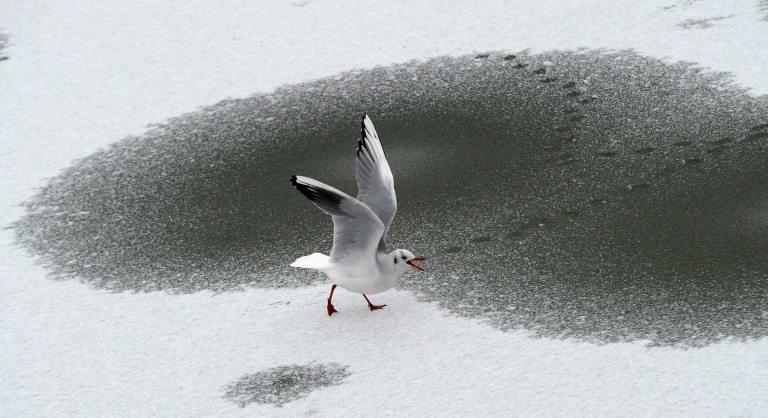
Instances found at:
x=763 y=8
x=702 y=23
x=3 y=45
x=451 y=250
x=757 y=135
x=645 y=150
x=485 y=238
x=204 y=201
x=283 y=384
x=722 y=141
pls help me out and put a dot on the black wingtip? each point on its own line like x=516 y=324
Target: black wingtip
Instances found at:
x=362 y=130
x=327 y=200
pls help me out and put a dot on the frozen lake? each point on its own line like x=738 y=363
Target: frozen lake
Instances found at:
x=591 y=200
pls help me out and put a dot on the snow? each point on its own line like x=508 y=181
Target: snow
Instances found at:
x=82 y=75
x=83 y=352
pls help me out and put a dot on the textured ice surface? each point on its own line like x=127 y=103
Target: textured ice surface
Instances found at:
x=283 y=384
x=602 y=196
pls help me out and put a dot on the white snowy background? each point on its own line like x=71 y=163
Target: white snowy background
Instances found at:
x=84 y=74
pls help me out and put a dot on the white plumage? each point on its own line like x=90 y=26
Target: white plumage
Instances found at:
x=359 y=261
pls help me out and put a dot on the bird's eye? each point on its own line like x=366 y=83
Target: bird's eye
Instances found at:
x=403 y=257
x=395 y=260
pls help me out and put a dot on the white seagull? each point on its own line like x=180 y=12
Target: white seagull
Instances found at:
x=359 y=262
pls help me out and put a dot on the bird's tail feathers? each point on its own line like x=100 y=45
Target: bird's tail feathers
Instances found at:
x=315 y=261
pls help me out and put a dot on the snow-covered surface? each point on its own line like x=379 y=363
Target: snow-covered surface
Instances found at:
x=82 y=75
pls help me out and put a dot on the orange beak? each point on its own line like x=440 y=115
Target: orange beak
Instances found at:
x=414 y=265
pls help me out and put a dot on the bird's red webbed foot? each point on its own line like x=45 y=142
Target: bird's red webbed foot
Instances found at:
x=371 y=306
x=331 y=309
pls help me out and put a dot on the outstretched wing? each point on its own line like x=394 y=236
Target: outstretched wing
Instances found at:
x=374 y=178
x=357 y=231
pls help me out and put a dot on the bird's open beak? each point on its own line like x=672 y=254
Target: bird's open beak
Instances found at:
x=414 y=265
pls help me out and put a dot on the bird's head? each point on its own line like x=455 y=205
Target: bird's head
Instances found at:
x=404 y=258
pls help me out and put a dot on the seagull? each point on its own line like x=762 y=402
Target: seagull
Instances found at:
x=359 y=261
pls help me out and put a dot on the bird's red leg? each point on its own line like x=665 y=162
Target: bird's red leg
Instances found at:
x=372 y=306
x=331 y=309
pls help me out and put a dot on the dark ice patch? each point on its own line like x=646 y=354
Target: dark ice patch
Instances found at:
x=702 y=23
x=722 y=141
x=3 y=46
x=204 y=201
x=645 y=150
x=283 y=384
x=757 y=136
